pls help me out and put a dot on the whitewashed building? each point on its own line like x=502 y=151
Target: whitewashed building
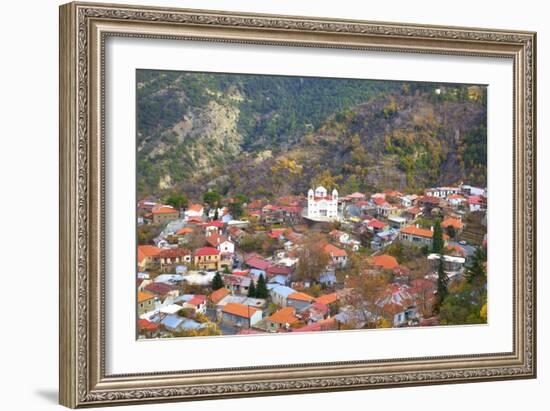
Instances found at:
x=321 y=205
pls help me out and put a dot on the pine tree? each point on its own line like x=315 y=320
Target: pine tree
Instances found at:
x=261 y=288
x=217 y=282
x=437 y=240
x=252 y=289
x=442 y=283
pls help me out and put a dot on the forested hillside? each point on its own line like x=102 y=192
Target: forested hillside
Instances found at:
x=267 y=136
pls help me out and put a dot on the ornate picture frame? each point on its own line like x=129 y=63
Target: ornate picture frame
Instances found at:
x=84 y=28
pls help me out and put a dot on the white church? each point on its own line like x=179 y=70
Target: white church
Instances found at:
x=321 y=206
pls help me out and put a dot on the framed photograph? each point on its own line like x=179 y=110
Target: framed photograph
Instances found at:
x=262 y=205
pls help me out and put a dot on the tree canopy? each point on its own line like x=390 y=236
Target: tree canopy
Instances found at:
x=437 y=239
x=217 y=282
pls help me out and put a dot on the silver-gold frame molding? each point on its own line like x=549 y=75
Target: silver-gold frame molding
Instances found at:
x=84 y=27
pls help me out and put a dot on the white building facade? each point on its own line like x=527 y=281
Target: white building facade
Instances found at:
x=321 y=205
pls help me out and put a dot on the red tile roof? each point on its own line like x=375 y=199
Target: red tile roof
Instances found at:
x=328 y=198
x=163 y=209
x=215 y=223
x=429 y=199
x=291 y=209
x=334 y=251
x=327 y=299
x=197 y=300
x=194 y=220
x=323 y=325
x=276 y=232
x=379 y=225
x=173 y=253
x=241 y=273
x=147 y=325
x=215 y=239
x=217 y=295
x=380 y=201
x=206 y=251
x=159 y=288
x=385 y=261
x=258 y=263
x=475 y=200
x=414 y=210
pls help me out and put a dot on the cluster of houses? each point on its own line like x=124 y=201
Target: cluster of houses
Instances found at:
x=178 y=280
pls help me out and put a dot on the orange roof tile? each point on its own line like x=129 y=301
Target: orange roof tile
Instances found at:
x=184 y=230
x=164 y=209
x=385 y=261
x=327 y=299
x=300 y=296
x=144 y=251
x=215 y=239
x=454 y=222
x=417 y=231
x=240 y=310
x=143 y=296
x=283 y=316
x=421 y=232
x=195 y=207
x=217 y=295
x=334 y=251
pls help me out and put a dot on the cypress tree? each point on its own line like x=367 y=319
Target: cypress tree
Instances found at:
x=261 y=288
x=252 y=289
x=437 y=239
x=217 y=282
x=442 y=283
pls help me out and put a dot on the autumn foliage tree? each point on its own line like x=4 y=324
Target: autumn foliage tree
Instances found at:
x=312 y=258
x=368 y=287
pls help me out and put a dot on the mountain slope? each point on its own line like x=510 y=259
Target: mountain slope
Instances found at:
x=267 y=136
x=190 y=123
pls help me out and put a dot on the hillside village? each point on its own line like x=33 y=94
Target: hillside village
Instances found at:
x=319 y=261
